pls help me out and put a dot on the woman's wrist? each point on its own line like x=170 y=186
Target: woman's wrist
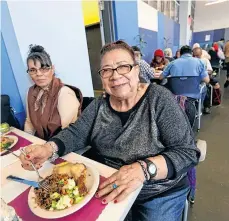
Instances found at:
x=52 y=150
x=144 y=169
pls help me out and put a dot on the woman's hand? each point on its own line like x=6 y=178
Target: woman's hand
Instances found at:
x=126 y=180
x=38 y=154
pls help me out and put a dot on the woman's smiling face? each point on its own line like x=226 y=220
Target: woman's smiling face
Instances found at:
x=124 y=81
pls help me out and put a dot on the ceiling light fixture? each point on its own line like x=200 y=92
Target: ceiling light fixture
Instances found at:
x=215 y=2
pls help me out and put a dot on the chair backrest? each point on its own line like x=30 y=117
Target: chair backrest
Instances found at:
x=86 y=102
x=189 y=107
x=7 y=113
x=78 y=95
x=186 y=86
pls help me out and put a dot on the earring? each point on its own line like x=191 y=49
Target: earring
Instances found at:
x=104 y=94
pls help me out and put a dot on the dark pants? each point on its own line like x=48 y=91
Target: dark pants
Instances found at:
x=207 y=100
x=227 y=66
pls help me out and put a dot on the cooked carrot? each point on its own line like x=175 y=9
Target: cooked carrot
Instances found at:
x=63 y=191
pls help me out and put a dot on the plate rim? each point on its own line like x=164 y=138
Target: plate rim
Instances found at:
x=15 y=138
x=70 y=210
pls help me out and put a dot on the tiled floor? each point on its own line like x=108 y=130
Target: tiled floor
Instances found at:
x=212 y=196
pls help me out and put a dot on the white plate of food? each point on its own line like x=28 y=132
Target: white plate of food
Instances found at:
x=72 y=186
x=7 y=142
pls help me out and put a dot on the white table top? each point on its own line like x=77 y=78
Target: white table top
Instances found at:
x=10 y=165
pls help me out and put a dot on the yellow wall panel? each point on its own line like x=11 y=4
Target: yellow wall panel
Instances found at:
x=90 y=12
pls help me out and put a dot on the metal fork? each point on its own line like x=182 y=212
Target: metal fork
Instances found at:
x=38 y=174
x=29 y=182
x=41 y=181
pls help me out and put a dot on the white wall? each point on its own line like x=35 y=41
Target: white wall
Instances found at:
x=184 y=12
x=211 y=17
x=57 y=26
x=147 y=16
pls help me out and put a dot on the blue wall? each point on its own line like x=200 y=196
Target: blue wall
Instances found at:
x=126 y=28
x=11 y=44
x=150 y=37
x=126 y=21
x=215 y=35
x=9 y=86
x=169 y=29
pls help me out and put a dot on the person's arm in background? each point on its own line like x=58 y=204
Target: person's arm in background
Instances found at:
x=206 y=55
x=28 y=127
x=166 y=71
x=209 y=67
x=203 y=72
x=68 y=106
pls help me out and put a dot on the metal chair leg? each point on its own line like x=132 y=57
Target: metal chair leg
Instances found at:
x=211 y=94
x=185 y=212
x=199 y=112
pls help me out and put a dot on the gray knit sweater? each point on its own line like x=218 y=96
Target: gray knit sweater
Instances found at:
x=157 y=126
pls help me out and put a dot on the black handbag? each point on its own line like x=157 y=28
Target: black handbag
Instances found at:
x=7 y=112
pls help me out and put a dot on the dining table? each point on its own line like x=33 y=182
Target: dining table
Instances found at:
x=11 y=165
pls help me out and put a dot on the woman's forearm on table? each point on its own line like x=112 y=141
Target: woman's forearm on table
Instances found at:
x=77 y=135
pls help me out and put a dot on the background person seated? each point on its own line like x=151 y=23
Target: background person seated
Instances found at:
x=177 y=55
x=214 y=57
x=159 y=61
x=51 y=106
x=187 y=66
x=146 y=72
x=158 y=64
x=140 y=130
x=204 y=52
x=168 y=54
x=197 y=52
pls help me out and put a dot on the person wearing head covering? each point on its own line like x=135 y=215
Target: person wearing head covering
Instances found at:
x=51 y=105
x=159 y=61
x=204 y=52
x=146 y=72
x=169 y=54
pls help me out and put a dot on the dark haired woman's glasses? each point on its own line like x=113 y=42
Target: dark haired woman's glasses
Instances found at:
x=122 y=70
x=33 y=71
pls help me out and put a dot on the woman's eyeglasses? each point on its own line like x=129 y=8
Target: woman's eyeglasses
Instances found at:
x=33 y=71
x=122 y=70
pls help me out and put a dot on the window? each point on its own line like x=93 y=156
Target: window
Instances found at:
x=177 y=8
x=153 y=3
x=169 y=8
x=173 y=10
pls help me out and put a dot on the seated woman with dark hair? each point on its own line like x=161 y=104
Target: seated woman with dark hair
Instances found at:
x=177 y=54
x=51 y=106
x=159 y=61
x=140 y=130
x=158 y=64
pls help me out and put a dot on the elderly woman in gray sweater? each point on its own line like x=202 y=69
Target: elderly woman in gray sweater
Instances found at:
x=138 y=129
